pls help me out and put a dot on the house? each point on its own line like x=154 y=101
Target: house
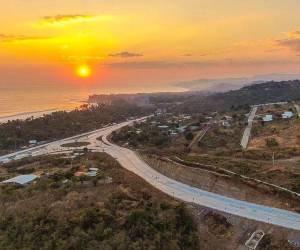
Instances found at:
x=268 y=118
x=174 y=133
x=33 y=142
x=227 y=118
x=93 y=169
x=163 y=126
x=287 y=115
x=181 y=129
x=194 y=127
x=21 y=179
x=226 y=124
x=187 y=117
x=92 y=173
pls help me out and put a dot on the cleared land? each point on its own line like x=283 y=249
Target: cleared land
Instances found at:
x=285 y=132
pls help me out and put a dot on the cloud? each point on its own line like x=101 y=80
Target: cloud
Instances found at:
x=161 y=64
x=20 y=38
x=125 y=54
x=291 y=43
x=199 y=55
x=200 y=64
x=295 y=33
x=66 y=19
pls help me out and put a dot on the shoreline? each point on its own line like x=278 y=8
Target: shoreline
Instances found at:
x=26 y=115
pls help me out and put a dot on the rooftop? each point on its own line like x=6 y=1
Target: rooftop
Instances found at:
x=268 y=118
x=287 y=114
x=22 y=179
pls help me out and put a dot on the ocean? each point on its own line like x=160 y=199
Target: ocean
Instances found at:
x=22 y=101
x=29 y=100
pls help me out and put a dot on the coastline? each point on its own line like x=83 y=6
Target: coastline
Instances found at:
x=26 y=115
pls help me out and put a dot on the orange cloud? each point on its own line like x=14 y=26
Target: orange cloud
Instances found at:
x=292 y=42
x=67 y=19
x=125 y=54
x=18 y=38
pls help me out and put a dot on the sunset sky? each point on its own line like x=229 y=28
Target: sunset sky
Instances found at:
x=146 y=43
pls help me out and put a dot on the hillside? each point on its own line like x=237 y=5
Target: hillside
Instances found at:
x=113 y=210
x=249 y=95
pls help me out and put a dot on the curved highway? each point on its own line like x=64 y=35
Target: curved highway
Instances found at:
x=131 y=161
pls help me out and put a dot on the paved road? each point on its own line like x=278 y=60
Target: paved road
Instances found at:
x=131 y=161
x=247 y=132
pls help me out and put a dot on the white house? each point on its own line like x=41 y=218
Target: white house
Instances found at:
x=268 y=118
x=226 y=124
x=287 y=115
x=33 y=142
x=163 y=126
x=21 y=179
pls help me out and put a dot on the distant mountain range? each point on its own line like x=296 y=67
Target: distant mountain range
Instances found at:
x=226 y=84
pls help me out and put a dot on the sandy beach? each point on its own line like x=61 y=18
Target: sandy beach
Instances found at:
x=24 y=116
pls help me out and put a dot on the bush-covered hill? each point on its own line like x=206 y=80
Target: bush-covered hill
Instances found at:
x=90 y=213
x=194 y=102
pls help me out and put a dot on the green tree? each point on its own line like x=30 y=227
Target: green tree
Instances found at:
x=189 y=136
x=271 y=143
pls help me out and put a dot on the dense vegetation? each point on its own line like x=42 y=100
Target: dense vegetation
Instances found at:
x=83 y=214
x=236 y=99
x=150 y=136
x=63 y=124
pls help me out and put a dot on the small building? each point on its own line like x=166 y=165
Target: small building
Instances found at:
x=187 y=117
x=287 y=115
x=226 y=124
x=21 y=179
x=181 y=129
x=92 y=173
x=163 y=126
x=33 y=142
x=194 y=127
x=173 y=134
x=93 y=169
x=227 y=118
x=268 y=118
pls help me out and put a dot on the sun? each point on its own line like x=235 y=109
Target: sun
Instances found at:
x=83 y=71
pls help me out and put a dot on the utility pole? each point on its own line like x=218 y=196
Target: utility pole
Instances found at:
x=273 y=158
